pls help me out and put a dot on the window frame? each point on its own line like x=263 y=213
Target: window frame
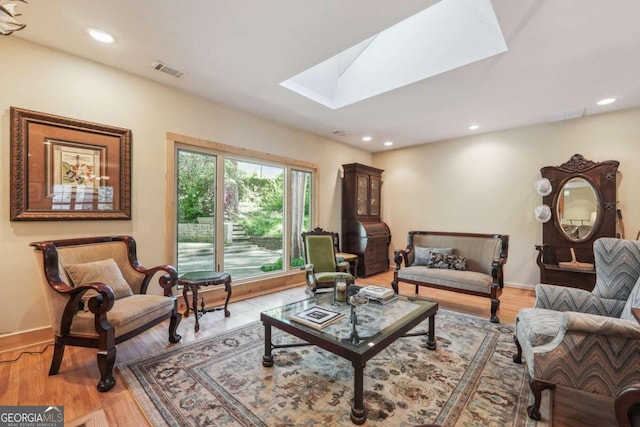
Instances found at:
x=223 y=151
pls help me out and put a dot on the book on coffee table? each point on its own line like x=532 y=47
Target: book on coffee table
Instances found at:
x=316 y=317
x=384 y=301
x=378 y=292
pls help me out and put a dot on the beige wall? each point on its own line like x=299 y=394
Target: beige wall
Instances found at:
x=40 y=79
x=484 y=183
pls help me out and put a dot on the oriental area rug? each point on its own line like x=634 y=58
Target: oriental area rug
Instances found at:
x=470 y=380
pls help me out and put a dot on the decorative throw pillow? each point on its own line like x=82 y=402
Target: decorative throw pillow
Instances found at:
x=104 y=271
x=422 y=254
x=450 y=262
x=632 y=302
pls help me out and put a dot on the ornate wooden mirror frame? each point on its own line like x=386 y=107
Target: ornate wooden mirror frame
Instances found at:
x=601 y=221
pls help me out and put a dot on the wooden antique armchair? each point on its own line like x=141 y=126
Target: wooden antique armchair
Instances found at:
x=97 y=297
x=321 y=264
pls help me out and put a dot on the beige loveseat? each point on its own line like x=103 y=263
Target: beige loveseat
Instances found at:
x=463 y=262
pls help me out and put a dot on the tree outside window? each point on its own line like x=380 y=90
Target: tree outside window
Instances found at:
x=253 y=198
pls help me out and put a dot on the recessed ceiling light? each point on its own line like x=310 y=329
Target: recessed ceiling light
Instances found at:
x=606 y=101
x=473 y=127
x=101 y=36
x=366 y=138
x=388 y=143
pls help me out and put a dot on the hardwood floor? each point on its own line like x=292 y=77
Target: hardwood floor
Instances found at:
x=25 y=381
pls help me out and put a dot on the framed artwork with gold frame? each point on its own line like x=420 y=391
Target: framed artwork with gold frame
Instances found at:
x=68 y=169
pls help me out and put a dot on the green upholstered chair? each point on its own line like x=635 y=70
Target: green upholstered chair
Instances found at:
x=587 y=341
x=97 y=296
x=321 y=264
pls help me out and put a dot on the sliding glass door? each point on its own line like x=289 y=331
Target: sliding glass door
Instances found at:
x=240 y=215
x=196 y=211
x=254 y=213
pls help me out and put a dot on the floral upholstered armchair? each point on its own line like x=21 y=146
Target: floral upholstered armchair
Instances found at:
x=97 y=296
x=581 y=340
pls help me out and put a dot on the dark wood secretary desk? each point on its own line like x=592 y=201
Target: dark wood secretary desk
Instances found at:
x=364 y=233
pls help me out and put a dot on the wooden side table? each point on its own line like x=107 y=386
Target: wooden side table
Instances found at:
x=352 y=259
x=193 y=280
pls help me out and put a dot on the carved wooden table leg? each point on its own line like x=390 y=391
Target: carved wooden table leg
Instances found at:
x=193 y=280
x=194 y=292
x=358 y=411
x=431 y=341
x=227 y=287
x=267 y=359
x=186 y=299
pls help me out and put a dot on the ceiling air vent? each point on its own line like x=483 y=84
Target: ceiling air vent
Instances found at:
x=567 y=115
x=167 y=70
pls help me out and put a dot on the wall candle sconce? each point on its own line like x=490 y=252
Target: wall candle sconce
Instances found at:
x=542 y=213
x=543 y=187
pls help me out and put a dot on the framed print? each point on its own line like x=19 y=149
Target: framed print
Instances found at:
x=67 y=169
x=74 y=164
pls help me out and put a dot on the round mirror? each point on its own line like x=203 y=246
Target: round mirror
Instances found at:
x=577 y=209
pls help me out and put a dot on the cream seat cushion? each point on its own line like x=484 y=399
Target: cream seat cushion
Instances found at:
x=467 y=280
x=126 y=315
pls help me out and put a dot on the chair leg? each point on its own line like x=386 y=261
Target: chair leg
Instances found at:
x=56 y=361
x=495 y=304
x=537 y=387
x=106 y=360
x=106 y=353
x=176 y=317
x=518 y=356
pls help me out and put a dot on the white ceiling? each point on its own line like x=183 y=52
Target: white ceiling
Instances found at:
x=563 y=55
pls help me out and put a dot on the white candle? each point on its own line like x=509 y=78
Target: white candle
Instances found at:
x=341 y=291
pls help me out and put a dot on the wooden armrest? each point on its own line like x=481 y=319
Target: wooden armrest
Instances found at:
x=98 y=305
x=401 y=254
x=166 y=281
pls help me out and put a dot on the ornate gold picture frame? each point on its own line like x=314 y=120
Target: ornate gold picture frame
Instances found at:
x=68 y=169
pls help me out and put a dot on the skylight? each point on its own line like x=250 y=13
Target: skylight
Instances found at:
x=445 y=36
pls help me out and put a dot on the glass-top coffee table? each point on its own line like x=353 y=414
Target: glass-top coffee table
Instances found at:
x=377 y=327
